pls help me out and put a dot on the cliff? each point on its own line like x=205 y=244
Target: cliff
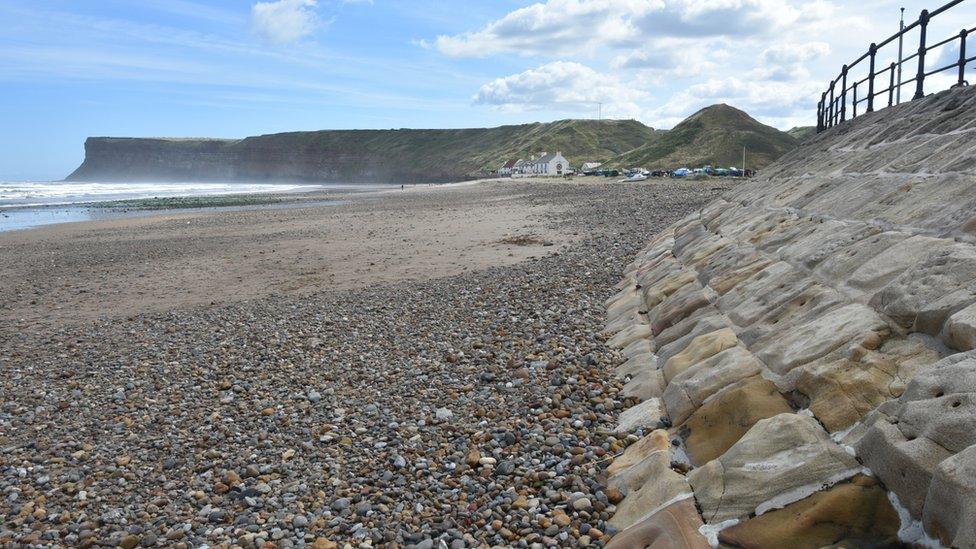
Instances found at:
x=354 y=156
x=714 y=136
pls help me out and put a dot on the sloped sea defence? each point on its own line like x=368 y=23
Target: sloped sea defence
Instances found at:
x=805 y=344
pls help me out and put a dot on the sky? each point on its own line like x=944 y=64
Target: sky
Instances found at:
x=70 y=69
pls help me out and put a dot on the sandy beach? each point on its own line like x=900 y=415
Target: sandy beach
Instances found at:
x=402 y=369
x=117 y=268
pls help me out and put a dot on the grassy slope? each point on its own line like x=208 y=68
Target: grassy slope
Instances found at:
x=459 y=152
x=715 y=136
x=801 y=133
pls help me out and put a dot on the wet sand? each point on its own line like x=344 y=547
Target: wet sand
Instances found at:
x=122 y=267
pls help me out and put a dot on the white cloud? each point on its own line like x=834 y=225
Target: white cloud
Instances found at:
x=785 y=62
x=675 y=57
x=284 y=21
x=562 y=86
x=560 y=27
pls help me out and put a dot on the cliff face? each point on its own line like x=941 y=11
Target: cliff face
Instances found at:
x=131 y=159
x=353 y=156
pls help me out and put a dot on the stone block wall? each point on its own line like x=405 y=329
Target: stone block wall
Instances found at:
x=800 y=353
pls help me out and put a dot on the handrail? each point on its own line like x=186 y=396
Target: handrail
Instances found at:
x=832 y=108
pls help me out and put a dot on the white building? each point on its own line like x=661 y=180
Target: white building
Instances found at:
x=509 y=167
x=547 y=164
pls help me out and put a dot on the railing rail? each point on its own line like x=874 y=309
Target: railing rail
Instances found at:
x=832 y=109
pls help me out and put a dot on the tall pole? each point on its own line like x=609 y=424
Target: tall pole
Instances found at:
x=743 y=161
x=901 y=44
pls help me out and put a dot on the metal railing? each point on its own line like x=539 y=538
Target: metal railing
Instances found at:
x=833 y=106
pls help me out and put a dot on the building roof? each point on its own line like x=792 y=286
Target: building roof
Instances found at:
x=511 y=163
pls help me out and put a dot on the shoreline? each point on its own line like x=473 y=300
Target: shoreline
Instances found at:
x=33 y=216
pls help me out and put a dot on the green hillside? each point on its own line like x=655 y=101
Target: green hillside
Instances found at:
x=447 y=154
x=802 y=133
x=712 y=136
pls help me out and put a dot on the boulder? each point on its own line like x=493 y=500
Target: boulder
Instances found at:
x=780 y=460
x=723 y=281
x=674 y=526
x=950 y=506
x=842 y=390
x=700 y=348
x=657 y=441
x=839 y=266
x=830 y=238
x=853 y=514
x=727 y=416
x=905 y=465
x=645 y=385
x=679 y=306
x=638 y=347
x=939 y=284
x=624 y=321
x=961 y=329
x=705 y=250
x=752 y=299
x=674 y=340
x=782 y=352
x=784 y=315
x=628 y=300
x=883 y=268
x=652 y=295
x=689 y=389
x=637 y=364
x=788 y=228
x=627 y=336
x=909 y=437
x=646 y=415
x=650 y=485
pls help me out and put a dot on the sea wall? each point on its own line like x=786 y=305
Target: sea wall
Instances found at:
x=799 y=354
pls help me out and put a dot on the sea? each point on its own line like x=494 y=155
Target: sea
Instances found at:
x=28 y=204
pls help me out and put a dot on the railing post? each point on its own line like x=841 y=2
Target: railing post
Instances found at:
x=923 y=22
x=874 y=54
x=823 y=111
x=843 y=95
x=820 y=116
x=962 y=57
x=833 y=104
x=854 y=102
x=891 y=88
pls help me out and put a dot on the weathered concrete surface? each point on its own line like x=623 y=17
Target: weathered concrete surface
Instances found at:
x=674 y=526
x=780 y=460
x=722 y=421
x=832 y=298
x=853 y=514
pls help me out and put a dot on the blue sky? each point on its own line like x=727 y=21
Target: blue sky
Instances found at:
x=231 y=68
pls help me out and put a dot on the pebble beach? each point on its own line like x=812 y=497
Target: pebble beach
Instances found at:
x=452 y=393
